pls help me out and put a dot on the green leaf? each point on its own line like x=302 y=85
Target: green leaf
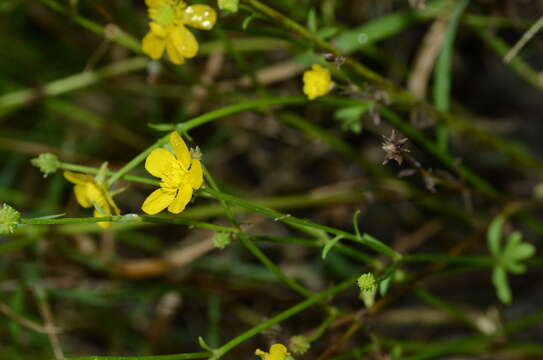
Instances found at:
x=351 y=117
x=329 y=245
x=162 y=127
x=248 y=20
x=523 y=251
x=494 y=234
x=204 y=345
x=511 y=244
x=327 y=32
x=312 y=20
x=499 y=279
x=384 y=285
x=515 y=268
x=386 y=27
x=230 y=6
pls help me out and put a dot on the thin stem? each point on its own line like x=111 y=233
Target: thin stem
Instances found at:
x=401 y=96
x=199 y=355
x=93 y=170
x=198 y=121
x=16 y=99
x=527 y=36
x=111 y=31
x=289 y=219
x=220 y=352
x=130 y=218
x=443 y=71
x=246 y=240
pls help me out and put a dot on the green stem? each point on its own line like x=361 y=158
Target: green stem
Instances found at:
x=109 y=32
x=220 y=352
x=16 y=99
x=401 y=96
x=92 y=170
x=200 y=120
x=289 y=219
x=521 y=67
x=247 y=242
x=471 y=177
x=129 y=218
x=443 y=71
x=199 y=355
x=322 y=328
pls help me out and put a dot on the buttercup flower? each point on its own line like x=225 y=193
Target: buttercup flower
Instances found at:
x=168 y=31
x=317 y=82
x=277 y=352
x=179 y=175
x=89 y=192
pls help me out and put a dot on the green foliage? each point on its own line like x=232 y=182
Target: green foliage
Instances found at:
x=350 y=117
x=284 y=177
x=221 y=240
x=508 y=257
x=329 y=245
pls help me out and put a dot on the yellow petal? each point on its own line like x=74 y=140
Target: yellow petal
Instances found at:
x=278 y=352
x=317 y=82
x=102 y=224
x=153 y=45
x=158 y=29
x=157 y=201
x=155 y=3
x=183 y=41
x=157 y=160
x=181 y=200
x=101 y=205
x=181 y=150
x=196 y=174
x=200 y=16
x=75 y=178
x=173 y=53
x=81 y=196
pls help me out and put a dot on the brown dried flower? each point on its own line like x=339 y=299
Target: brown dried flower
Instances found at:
x=395 y=147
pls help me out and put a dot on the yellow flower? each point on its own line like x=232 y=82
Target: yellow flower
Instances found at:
x=179 y=175
x=168 y=31
x=89 y=192
x=277 y=352
x=317 y=82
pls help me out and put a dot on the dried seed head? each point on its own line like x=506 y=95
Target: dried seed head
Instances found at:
x=395 y=147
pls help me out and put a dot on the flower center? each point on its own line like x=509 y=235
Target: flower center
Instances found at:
x=173 y=176
x=165 y=15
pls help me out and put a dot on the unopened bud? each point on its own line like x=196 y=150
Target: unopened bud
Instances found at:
x=47 y=163
x=9 y=219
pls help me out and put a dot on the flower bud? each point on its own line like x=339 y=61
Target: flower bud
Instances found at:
x=9 y=219
x=299 y=344
x=47 y=163
x=221 y=240
x=230 y=6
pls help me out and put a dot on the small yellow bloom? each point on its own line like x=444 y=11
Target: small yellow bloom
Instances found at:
x=317 y=82
x=179 y=175
x=90 y=193
x=168 y=31
x=277 y=352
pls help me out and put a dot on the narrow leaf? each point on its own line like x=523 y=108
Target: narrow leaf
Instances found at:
x=329 y=245
x=494 y=235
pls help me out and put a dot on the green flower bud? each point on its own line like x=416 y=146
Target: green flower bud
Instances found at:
x=230 y=6
x=299 y=344
x=221 y=240
x=366 y=282
x=47 y=163
x=9 y=219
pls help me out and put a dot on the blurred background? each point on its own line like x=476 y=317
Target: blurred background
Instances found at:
x=73 y=83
